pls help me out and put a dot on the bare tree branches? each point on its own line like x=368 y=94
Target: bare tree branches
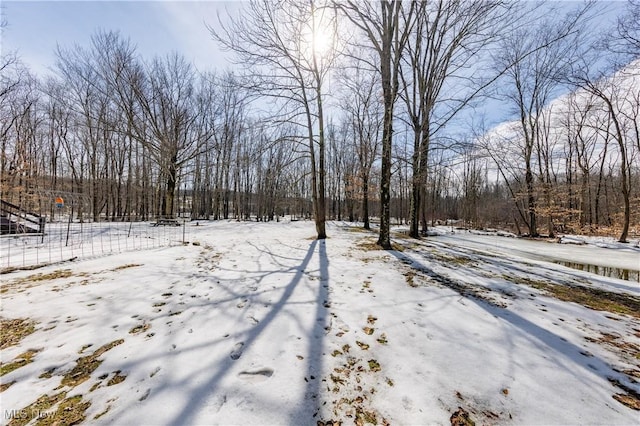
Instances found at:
x=386 y=26
x=278 y=42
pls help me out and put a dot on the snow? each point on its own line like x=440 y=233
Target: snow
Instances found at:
x=576 y=249
x=250 y=327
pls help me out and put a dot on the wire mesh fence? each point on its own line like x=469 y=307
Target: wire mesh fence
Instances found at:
x=75 y=240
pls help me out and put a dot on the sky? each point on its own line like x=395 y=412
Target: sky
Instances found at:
x=157 y=27
x=35 y=28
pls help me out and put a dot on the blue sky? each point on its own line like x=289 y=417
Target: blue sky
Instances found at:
x=156 y=27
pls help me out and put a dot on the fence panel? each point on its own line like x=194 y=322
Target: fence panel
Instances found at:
x=65 y=241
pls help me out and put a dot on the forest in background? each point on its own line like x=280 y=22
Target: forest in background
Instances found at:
x=343 y=110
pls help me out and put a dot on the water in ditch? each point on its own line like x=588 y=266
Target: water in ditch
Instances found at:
x=605 y=271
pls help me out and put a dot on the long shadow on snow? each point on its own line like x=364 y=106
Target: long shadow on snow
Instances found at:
x=199 y=394
x=228 y=286
x=550 y=272
x=553 y=267
x=559 y=345
x=311 y=405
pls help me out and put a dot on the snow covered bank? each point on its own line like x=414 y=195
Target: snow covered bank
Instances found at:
x=596 y=251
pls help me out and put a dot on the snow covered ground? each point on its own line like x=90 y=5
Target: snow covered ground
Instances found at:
x=259 y=323
x=578 y=251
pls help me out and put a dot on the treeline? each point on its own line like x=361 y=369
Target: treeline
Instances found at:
x=367 y=123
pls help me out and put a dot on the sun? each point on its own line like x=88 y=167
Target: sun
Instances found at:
x=322 y=41
x=318 y=36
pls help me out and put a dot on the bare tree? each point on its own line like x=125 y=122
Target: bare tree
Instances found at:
x=278 y=43
x=363 y=117
x=120 y=73
x=222 y=103
x=21 y=151
x=626 y=39
x=166 y=100
x=13 y=80
x=537 y=57
x=618 y=97
x=616 y=93
x=89 y=104
x=584 y=128
x=445 y=47
x=386 y=26
x=58 y=120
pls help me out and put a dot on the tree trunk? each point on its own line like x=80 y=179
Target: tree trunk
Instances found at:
x=384 y=238
x=365 y=201
x=168 y=200
x=415 y=204
x=321 y=200
x=531 y=202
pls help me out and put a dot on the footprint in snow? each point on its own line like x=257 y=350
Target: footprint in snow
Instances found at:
x=154 y=372
x=145 y=395
x=218 y=402
x=257 y=375
x=407 y=403
x=237 y=351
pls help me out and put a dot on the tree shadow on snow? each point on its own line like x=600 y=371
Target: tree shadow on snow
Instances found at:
x=303 y=411
x=311 y=403
x=566 y=355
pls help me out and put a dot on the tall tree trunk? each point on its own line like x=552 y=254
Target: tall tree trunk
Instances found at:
x=168 y=200
x=321 y=200
x=624 y=175
x=531 y=201
x=365 y=201
x=416 y=182
x=384 y=238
